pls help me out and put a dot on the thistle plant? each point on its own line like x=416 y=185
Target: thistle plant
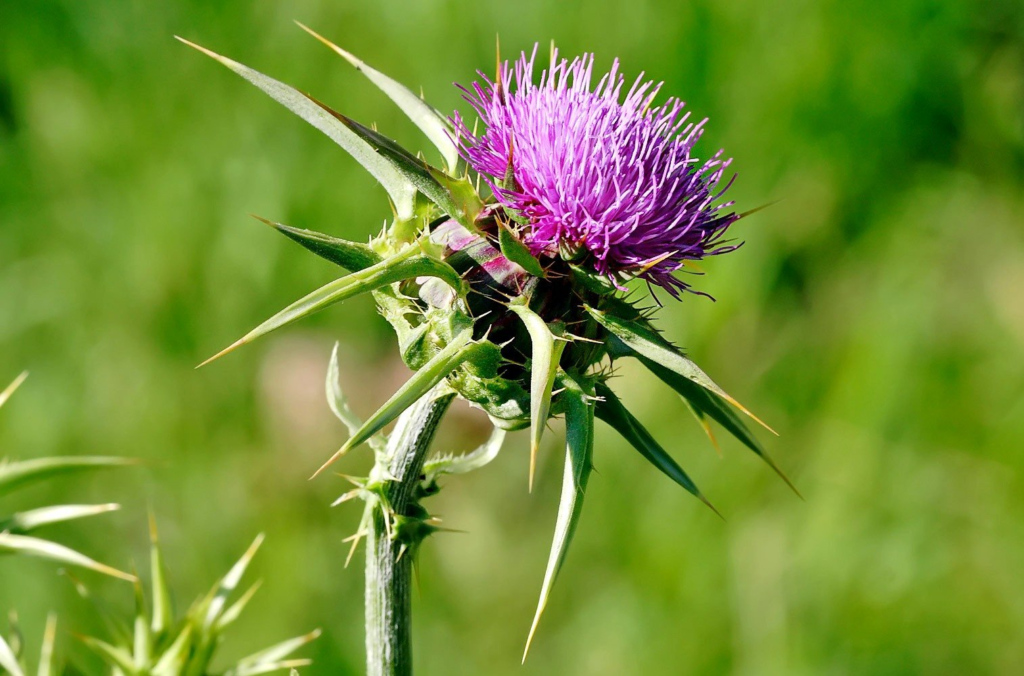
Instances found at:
x=506 y=274
x=157 y=643
x=18 y=530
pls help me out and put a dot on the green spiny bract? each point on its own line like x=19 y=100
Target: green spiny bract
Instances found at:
x=157 y=643
x=520 y=337
x=18 y=530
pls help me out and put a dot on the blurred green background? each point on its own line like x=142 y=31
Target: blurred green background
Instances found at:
x=875 y=317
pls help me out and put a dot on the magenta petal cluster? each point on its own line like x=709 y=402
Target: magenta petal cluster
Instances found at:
x=608 y=177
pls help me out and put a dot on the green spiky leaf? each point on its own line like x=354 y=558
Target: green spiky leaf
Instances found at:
x=173 y=659
x=163 y=612
x=273 y=656
x=610 y=410
x=641 y=339
x=705 y=424
x=430 y=121
x=455 y=353
x=142 y=644
x=217 y=599
x=111 y=654
x=352 y=256
x=25 y=522
x=517 y=252
x=183 y=647
x=702 y=394
x=708 y=404
x=461 y=464
x=545 y=356
x=592 y=281
x=235 y=610
x=44 y=549
x=579 y=450
x=407 y=264
x=398 y=187
x=338 y=403
x=432 y=182
x=14 y=475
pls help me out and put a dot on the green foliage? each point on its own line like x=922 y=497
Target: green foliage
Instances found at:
x=546 y=354
x=430 y=121
x=17 y=531
x=350 y=255
x=579 y=462
x=156 y=643
x=399 y=187
x=611 y=410
x=405 y=264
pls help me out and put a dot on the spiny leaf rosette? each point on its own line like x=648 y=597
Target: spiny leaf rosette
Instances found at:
x=515 y=298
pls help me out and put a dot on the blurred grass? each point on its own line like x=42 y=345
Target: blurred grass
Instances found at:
x=874 y=317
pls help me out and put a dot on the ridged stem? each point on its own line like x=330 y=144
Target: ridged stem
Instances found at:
x=388 y=571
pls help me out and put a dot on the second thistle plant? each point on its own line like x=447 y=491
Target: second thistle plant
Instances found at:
x=158 y=643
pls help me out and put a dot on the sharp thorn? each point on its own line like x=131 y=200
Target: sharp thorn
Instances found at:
x=230 y=348
x=333 y=459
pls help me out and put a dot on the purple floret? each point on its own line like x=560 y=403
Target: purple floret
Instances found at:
x=595 y=173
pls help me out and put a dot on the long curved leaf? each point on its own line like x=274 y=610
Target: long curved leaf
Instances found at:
x=611 y=410
x=430 y=374
x=402 y=192
x=44 y=549
x=24 y=522
x=430 y=121
x=352 y=256
x=432 y=182
x=338 y=403
x=407 y=264
x=467 y=462
x=14 y=475
x=709 y=404
x=546 y=353
x=656 y=349
x=579 y=451
x=705 y=424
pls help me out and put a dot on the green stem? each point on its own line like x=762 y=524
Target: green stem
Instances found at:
x=388 y=572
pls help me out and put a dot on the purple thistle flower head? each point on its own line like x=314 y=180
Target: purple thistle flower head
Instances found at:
x=596 y=175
